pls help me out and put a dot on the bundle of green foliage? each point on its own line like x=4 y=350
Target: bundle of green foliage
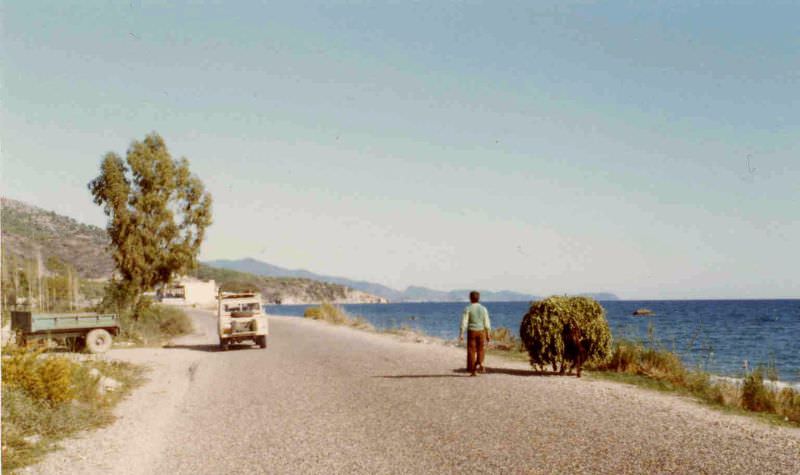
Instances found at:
x=557 y=331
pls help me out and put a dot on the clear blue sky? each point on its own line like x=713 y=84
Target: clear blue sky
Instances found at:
x=652 y=150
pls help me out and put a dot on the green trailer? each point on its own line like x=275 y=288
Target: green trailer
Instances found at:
x=94 y=331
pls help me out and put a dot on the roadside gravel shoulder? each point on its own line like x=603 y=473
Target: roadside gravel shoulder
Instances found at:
x=135 y=440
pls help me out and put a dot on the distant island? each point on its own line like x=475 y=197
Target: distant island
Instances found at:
x=410 y=294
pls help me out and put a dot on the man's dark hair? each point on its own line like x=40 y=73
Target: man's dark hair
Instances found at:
x=474 y=296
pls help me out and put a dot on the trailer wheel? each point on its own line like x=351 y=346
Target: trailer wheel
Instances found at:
x=261 y=340
x=98 y=341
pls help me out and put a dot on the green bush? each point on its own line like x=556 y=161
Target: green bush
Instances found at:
x=154 y=323
x=543 y=327
x=46 y=379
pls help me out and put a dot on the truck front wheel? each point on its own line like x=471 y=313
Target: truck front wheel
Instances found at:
x=98 y=341
x=223 y=344
x=261 y=340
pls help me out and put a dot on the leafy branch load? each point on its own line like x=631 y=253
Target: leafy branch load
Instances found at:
x=565 y=332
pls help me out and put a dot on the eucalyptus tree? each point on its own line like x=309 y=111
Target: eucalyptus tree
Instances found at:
x=158 y=212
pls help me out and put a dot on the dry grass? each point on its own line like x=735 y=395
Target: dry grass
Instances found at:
x=336 y=315
x=642 y=365
x=504 y=340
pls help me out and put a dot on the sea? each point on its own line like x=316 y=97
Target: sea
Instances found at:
x=722 y=337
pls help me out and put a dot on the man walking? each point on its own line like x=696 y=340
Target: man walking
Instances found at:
x=475 y=321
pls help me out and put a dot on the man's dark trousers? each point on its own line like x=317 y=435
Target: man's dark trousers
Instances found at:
x=476 y=341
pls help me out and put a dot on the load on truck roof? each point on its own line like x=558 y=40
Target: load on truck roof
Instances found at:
x=238 y=295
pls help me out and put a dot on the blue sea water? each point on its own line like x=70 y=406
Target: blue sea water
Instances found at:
x=716 y=335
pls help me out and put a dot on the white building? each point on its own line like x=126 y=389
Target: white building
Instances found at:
x=189 y=291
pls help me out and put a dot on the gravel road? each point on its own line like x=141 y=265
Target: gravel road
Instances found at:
x=326 y=399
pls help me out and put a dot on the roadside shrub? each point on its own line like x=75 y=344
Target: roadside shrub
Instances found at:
x=755 y=395
x=19 y=370
x=334 y=314
x=625 y=358
x=154 y=323
x=789 y=404
x=503 y=339
x=171 y=321
x=663 y=365
x=312 y=312
x=546 y=327
x=46 y=379
x=636 y=358
x=328 y=312
x=361 y=323
x=56 y=373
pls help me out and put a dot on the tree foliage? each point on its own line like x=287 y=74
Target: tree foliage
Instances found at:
x=543 y=330
x=158 y=213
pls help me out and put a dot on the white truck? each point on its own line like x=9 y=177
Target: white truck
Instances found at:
x=240 y=317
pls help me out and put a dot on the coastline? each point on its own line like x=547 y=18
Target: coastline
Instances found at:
x=412 y=335
x=712 y=336
x=752 y=395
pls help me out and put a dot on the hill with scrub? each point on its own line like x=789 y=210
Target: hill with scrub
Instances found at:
x=31 y=233
x=45 y=243
x=285 y=290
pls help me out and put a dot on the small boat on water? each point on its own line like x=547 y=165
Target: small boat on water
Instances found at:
x=643 y=312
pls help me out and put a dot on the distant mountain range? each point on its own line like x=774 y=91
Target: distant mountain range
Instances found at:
x=411 y=294
x=30 y=233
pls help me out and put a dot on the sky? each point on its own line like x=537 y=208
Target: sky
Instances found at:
x=650 y=149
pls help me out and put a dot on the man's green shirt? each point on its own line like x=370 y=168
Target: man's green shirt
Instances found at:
x=475 y=318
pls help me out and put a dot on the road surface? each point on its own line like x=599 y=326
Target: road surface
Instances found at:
x=327 y=399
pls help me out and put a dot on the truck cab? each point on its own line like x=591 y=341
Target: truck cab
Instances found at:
x=240 y=317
